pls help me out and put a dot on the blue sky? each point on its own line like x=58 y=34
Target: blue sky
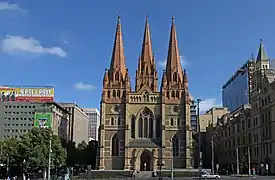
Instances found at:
x=68 y=43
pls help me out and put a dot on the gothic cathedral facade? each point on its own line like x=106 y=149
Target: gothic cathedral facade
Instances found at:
x=145 y=128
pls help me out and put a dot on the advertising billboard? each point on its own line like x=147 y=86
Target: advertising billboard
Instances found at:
x=27 y=94
x=43 y=120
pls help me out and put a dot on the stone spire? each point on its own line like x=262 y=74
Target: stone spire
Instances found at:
x=261 y=53
x=118 y=58
x=174 y=71
x=146 y=73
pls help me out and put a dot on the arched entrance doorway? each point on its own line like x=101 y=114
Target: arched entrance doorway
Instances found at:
x=146 y=161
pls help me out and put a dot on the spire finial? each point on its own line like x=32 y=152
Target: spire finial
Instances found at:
x=173 y=19
x=118 y=17
x=146 y=18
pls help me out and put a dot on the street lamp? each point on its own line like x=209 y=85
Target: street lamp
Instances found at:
x=199 y=133
x=50 y=153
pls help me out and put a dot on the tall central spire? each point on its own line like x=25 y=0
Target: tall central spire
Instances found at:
x=118 y=58
x=173 y=64
x=146 y=53
x=146 y=73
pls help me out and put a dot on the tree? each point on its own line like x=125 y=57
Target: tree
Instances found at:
x=10 y=152
x=34 y=146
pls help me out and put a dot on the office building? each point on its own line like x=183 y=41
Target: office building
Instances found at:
x=17 y=118
x=79 y=123
x=237 y=89
x=193 y=114
x=94 y=121
x=145 y=128
x=247 y=133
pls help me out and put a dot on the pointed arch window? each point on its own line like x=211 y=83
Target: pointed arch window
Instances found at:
x=151 y=127
x=109 y=94
x=118 y=93
x=133 y=126
x=173 y=94
x=114 y=93
x=146 y=128
x=112 y=121
x=115 y=145
x=175 y=77
x=117 y=76
x=175 y=145
x=167 y=94
x=140 y=126
x=146 y=124
x=171 y=122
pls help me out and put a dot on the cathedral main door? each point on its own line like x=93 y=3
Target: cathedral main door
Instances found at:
x=145 y=161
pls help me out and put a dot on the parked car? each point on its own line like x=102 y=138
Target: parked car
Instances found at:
x=210 y=176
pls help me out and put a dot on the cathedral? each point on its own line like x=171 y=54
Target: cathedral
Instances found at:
x=145 y=127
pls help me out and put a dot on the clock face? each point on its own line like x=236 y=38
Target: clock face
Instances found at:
x=115 y=108
x=175 y=109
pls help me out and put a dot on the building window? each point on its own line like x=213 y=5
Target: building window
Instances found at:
x=171 y=122
x=115 y=145
x=117 y=76
x=175 y=77
x=112 y=121
x=140 y=123
x=133 y=126
x=146 y=124
x=158 y=128
x=167 y=94
x=118 y=93
x=114 y=93
x=175 y=144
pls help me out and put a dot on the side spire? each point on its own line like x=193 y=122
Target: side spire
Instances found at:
x=118 y=58
x=173 y=64
x=261 y=53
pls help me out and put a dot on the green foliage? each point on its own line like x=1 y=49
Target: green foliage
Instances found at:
x=9 y=149
x=35 y=145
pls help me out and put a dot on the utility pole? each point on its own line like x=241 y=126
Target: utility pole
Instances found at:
x=212 y=143
x=249 y=163
x=199 y=132
x=50 y=153
x=238 y=163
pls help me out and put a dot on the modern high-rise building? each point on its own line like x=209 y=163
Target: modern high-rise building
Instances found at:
x=193 y=114
x=145 y=128
x=237 y=89
x=17 y=118
x=94 y=121
x=79 y=123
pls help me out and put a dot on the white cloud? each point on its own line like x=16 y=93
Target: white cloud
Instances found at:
x=12 y=44
x=85 y=87
x=208 y=104
x=183 y=62
x=5 y=6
